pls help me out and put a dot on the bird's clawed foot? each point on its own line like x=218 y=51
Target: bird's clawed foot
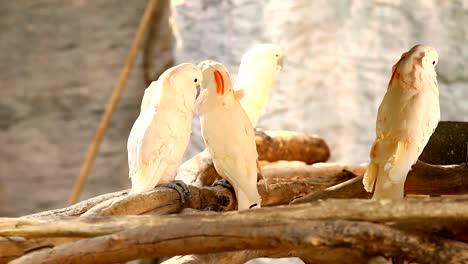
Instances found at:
x=222 y=182
x=261 y=133
x=253 y=206
x=181 y=188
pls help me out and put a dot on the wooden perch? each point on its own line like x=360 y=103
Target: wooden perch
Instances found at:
x=291 y=145
x=282 y=188
x=286 y=170
x=447 y=144
x=422 y=179
x=79 y=208
x=164 y=200
x=437 y=180
x=296 y=181
x=282 y=145
x=325 y=224
x=340 y=255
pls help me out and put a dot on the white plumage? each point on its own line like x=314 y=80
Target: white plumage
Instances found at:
x=257 y=73
x=228 y=134
x=160 y=135
x=407 y=117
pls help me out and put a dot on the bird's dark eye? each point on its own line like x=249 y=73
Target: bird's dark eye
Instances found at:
x=277 y=55
x=433 y=62
x=195 y=80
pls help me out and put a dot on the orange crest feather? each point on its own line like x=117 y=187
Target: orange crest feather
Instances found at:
x=219 y=83
x=395 y=73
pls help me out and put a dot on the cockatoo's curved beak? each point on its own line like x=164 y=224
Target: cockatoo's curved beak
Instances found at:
x=198 y=91
x=279 y=64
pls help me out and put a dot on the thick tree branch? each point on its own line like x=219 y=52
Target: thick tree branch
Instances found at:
x=14 y=247
x=312 y=255
x=447 y=144
x=283 y=228
x=165 y=201
x=291 y=145
x=422 y=179
x=291 y=170
x=282 y=145
x=437 y=180
x=79 y=208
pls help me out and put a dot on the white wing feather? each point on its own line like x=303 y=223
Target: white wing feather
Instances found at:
x=148 y=145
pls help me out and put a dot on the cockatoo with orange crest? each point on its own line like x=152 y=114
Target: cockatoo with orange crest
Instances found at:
x=228 y=134
x=257 y=73
x=406 y=119
x=160 y=135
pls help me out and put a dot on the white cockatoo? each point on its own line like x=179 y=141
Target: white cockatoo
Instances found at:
x=257 y=73
x=160 y=135
x=407 y=117
x=228 y=134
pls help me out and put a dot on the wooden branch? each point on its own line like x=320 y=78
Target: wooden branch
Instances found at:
x=198 y=170
x=313 y=255
x=352 y=188
x=423 y=179
x=164 y=200
x=291 y=170
x=283 y=188
x=447 y=144
x=437 y=180
x=14 y=247
x=79 y=208
x=283 y=228
x=283 y=145
x=291 y=145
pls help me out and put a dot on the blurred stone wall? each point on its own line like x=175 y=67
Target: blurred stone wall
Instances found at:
x=59 y=61
x=338 y=58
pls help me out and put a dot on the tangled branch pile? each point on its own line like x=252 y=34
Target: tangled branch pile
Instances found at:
x=316 y=227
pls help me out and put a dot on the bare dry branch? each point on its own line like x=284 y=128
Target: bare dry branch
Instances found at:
x=283 y=145
x=291 y=145
x=164 y=200
x=422 y=179
x=79 y=208
x=312 y=255
x=290 y=170
x=437 y=179
x=284 y=228
x=447 y=144
x=14 y=247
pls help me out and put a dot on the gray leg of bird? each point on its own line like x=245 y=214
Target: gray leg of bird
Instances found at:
x=222 y=182
x=181 y=188
x=260 y=176
x=398 y=260
x=261 y=133
x=259 y=172
x=466 y=155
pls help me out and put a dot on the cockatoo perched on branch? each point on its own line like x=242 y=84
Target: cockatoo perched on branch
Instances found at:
x=228 y=134
x=161 y=133
x=407 y=117
x=257 y=73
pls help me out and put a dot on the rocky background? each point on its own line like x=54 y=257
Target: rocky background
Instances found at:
x=59 y=61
